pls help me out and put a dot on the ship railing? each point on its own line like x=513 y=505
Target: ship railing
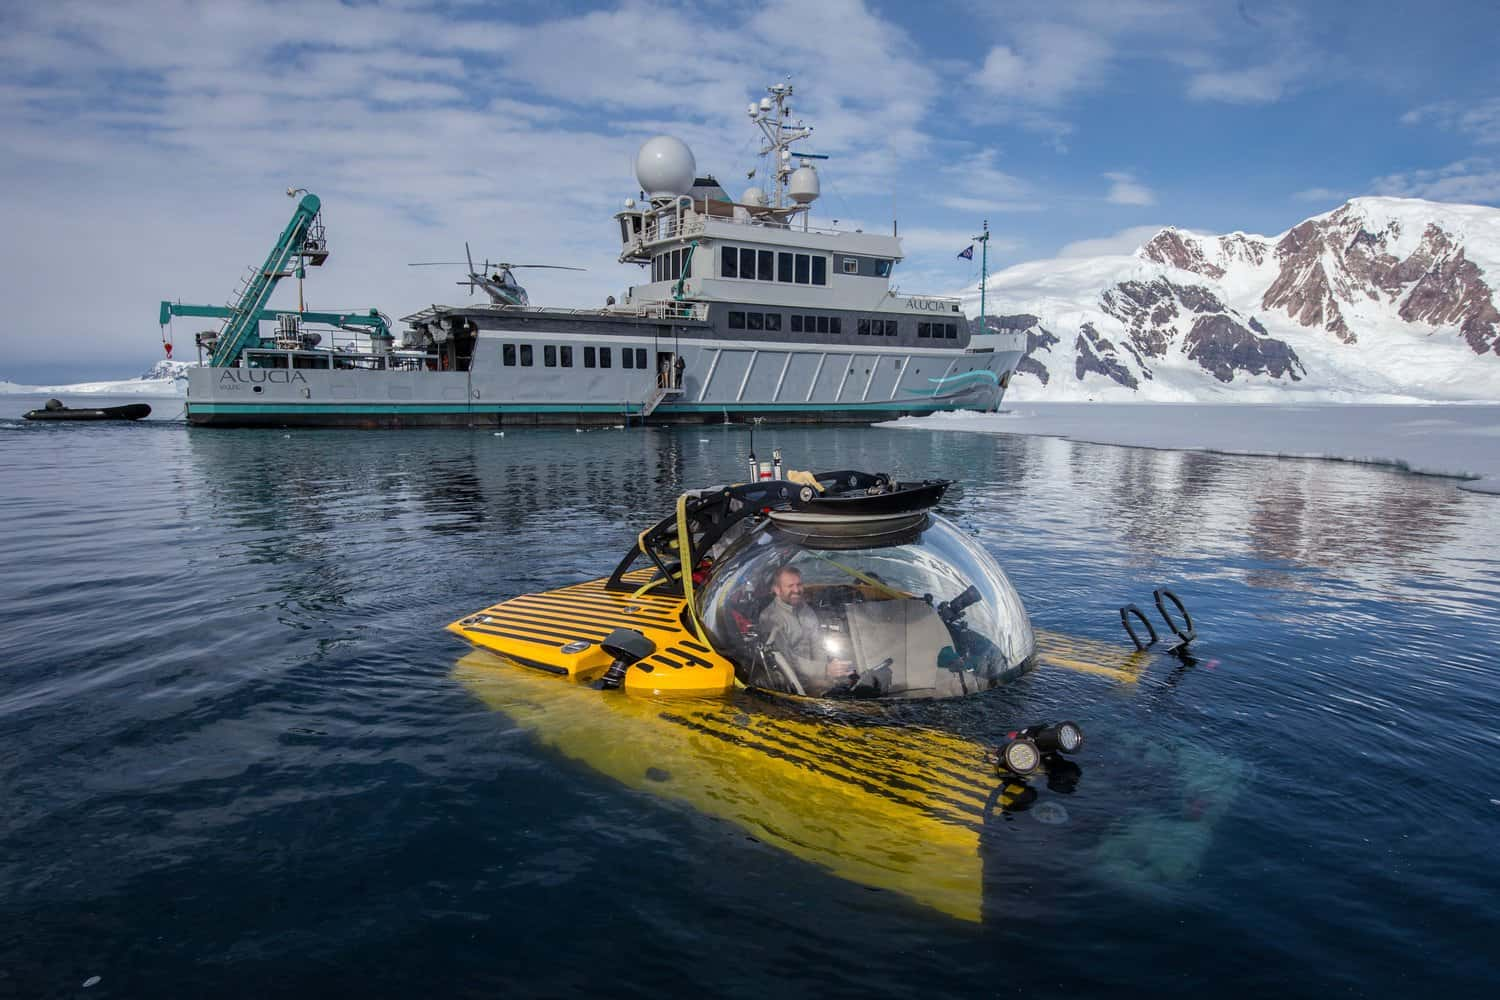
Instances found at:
x=688 y=220
x=653 y=309
x=665 y=309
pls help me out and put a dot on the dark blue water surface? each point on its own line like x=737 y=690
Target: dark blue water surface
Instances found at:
x=235 y=760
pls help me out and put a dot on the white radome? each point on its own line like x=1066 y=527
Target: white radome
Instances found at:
x=754 y=196
x=665 y=167
x=803 y=185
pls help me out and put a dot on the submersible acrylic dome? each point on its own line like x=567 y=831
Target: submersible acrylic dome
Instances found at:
x=907 y=607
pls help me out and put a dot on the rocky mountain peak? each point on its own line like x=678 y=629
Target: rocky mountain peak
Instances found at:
x=1379 y=298
x=1181 y=250
x=1359 y=252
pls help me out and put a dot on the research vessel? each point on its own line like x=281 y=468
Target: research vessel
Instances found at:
x=745 y=310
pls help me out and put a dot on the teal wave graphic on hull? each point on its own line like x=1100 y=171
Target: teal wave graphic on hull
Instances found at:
x=966 y=380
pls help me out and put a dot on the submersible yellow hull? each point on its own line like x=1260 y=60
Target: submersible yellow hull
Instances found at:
x=892 y=808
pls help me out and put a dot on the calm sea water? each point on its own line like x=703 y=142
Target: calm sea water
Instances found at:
x=235 y=760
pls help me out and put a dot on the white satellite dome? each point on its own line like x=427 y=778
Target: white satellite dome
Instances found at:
x=665 y=167
x=755 y=197
x=803 y=185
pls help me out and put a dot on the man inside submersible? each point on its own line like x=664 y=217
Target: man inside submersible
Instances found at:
x=790 y=627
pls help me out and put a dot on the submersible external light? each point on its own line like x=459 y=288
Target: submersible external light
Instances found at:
x=1061 y=737
x=1020 y=755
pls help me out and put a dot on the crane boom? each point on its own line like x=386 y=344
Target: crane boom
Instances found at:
x=244 y=318
x=373 y=320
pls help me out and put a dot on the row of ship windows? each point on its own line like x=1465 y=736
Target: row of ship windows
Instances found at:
x=767 y=265
x=831 y=324
x=761 y=265
x=561 y=356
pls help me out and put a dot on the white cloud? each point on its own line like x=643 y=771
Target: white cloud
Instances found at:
x=1044 y=64
x=1126 y=190
x=1320 y=194
x=948 y=242
x=1257 y=85
x=1475 y=181
x=1126 y=241
x=975 y=184
x=1479 y=120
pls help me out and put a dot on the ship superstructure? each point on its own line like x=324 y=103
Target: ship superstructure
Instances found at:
x=747 y=310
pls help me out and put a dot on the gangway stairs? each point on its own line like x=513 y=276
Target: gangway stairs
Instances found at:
x=659 y=395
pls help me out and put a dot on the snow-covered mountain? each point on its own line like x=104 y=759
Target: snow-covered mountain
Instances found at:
x=1380 y=299
x=165 y=378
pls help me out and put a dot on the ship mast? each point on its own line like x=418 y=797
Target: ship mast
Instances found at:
x=775 y=121
x=984 y=268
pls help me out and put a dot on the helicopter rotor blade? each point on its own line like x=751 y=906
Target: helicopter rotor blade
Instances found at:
x=550 y=267
x=436 y=263
x=469 y=255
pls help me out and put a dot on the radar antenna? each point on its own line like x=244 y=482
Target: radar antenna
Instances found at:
x=775 y=121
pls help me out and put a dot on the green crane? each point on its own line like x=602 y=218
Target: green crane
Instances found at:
x=373 y=320
x=303 y=241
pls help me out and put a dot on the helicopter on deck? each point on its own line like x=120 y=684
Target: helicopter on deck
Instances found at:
x=495 y=278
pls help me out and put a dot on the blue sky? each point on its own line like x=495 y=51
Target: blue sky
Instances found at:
x=149 y=144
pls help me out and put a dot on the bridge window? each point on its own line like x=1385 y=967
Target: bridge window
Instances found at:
x=747 y=263
x=924 y=329
x=784 y=267
x=627 y=358
x=820 y=270
x=766 y=270
x=834 y=325
x=773 y=321
x=754 y=321
x=882 y=269
x=864 y=327
x=729 y=262
x=508 y=355
x=588 y=357
x=804 y=269
x=640 y=357
x=736 y=321
x=950 y=330
x=796 y=322
x=567 y=356
x=549 y=355
x=525 y=355
x=603 y=357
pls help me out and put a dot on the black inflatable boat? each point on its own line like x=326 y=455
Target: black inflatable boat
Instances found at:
x=54 y=410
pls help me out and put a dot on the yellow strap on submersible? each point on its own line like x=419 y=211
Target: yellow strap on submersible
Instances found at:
x=684 y=553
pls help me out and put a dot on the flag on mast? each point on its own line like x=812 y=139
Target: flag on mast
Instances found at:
x=967 y=253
